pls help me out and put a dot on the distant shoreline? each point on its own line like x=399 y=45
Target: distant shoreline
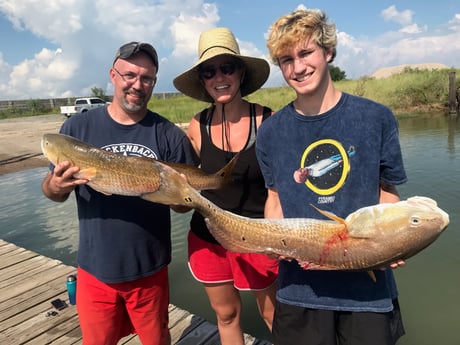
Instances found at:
x=20 y=141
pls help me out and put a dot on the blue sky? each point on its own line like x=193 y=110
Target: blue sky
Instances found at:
x=54 y=48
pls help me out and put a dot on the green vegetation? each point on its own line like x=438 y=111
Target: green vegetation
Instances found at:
x=99 y=92
x=413 y=91
x=33 y=107
x=336 y=73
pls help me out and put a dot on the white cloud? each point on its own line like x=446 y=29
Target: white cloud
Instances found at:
x=187 y=27
x=412 y=29
x=51 y=19
x=88 y=34
x=400 y=17
x=361 y=57
x=85 y=35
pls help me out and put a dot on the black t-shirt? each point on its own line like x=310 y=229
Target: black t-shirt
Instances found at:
x=125 y=238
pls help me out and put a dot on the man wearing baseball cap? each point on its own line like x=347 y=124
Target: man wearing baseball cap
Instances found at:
x=125 y=242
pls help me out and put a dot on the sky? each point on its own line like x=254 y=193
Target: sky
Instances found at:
x=63 y=48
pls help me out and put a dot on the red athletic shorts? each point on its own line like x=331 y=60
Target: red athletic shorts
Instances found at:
x=109 y=312
x=212 y=263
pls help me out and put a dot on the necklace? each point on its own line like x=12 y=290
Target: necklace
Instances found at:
x=225 y=136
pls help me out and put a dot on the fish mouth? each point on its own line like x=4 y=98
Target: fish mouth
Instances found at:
x=431 y=206
x=44 y=145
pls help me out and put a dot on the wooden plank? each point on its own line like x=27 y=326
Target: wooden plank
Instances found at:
x=20 y=268
x=28 y=299
x=62 y=332
x=28 y=284
x=41 y=307
x=15 y=256
x=132 y=339
x=15 y=286
x=71 y=338
x=34 y=325
x=6 y=247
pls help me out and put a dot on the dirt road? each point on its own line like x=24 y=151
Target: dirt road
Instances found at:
x=20 y=141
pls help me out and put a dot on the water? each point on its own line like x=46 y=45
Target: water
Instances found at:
x=429 y=285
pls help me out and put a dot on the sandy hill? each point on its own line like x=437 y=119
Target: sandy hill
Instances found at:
x=388 y=71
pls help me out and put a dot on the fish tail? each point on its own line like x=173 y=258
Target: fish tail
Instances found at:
x=226 y=172
x=173 y=190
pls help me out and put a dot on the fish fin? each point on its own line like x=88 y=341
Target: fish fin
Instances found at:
x=99 y=190
x=372 y=275
x=329 y=215
x=226 y=172
x=103 y=192
x=87 y=173
x=308 y=265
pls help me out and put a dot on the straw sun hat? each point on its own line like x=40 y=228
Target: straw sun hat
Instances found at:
x=220 y=41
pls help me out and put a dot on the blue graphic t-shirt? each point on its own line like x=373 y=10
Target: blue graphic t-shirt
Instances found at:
x=125 y=238
x=333 y=161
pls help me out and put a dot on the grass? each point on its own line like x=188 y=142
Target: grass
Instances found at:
x=413 y=91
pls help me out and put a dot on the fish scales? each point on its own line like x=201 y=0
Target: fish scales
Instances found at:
x=289 y=237
x=316 y=243
x=120 y=175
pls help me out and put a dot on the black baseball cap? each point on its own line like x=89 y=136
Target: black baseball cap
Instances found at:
x=129 y=49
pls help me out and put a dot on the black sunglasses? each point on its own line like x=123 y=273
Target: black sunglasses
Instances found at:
x=210 y=71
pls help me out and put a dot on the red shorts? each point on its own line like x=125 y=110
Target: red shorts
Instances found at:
x=109 y=312
x=212 y=263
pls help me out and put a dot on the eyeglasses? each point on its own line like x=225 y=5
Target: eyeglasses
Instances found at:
x=131 y=78
x=210 y=71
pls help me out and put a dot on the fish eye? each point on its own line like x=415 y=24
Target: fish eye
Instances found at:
x=415 y=220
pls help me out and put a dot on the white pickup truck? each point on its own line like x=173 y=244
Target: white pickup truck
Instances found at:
x=82 y=105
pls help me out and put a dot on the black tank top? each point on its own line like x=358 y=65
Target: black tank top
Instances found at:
x=246 y=195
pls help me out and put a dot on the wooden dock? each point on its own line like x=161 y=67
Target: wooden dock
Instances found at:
x=28 y=284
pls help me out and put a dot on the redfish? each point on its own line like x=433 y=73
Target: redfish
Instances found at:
x=112 y=173
x=369 y=238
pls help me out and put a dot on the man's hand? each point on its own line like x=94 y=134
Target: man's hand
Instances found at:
x=58 y=184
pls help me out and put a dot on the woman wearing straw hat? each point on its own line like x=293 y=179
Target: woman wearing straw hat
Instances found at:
x=222 y=76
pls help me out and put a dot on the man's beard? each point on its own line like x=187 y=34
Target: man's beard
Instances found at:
x=134 y=107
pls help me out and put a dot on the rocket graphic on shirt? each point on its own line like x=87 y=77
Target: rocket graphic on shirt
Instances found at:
x=324 y=166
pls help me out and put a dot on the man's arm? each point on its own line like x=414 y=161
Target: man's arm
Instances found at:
x=273 y=205
x=389 y=194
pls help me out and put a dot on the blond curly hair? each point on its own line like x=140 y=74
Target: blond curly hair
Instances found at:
x=300 y=25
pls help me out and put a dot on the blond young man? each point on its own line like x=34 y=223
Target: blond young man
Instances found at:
x=339 y=153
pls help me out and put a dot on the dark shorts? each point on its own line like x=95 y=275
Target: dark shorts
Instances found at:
x=304 y=326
